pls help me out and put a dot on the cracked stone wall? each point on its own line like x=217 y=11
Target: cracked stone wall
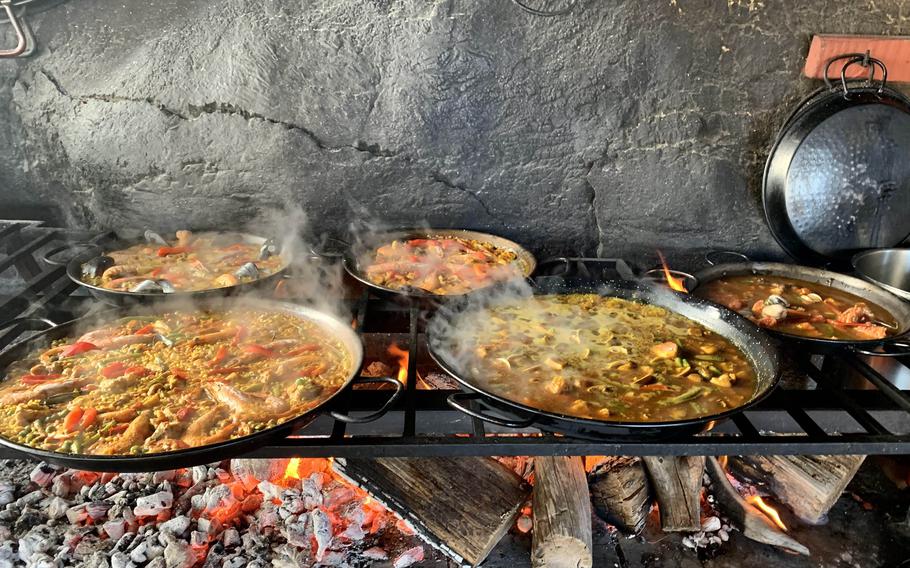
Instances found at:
x=618 y=128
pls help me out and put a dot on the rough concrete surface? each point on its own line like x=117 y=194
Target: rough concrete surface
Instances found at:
x=621 y=126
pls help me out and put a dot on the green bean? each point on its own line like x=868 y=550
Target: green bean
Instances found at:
x=693 y=392
x=713 y=358
x=714 y=370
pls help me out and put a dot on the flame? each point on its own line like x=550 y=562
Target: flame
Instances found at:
x=677 y=284
x=768 y=510
x=292 y=471
x=403 y=358
x=722 y=460
x=592 y=462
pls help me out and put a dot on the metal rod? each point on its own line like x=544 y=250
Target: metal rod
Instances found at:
x=900 y=398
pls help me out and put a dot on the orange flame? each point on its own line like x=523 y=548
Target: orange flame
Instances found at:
x=677 y=284
x=768 y=510
x=403 y=358
x=592 y=462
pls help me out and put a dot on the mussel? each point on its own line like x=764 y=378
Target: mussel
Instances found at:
x=248 y=270
x=95 y=267
x=153 y=237
x=776 y=300
x=268 y=248
x=160 y=285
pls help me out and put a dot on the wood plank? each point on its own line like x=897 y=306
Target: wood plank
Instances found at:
x=463 y=506
x=894 y=51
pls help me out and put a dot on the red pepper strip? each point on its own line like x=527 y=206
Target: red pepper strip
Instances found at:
x=257 y=349
x=88 y=418
x=156 y=272
x=150 y=328
x=227 y=370
x=420 y=242
x=118 y=428
x=308 y=348
x=72 y=419
x=38 y=379
x=138 y=370
x=184 y=412
x=237 y=247
x=180 y=374
x=219 y=356
x=655 y=387
x=77 y=348
x=312 y=370
x=165 y=251
x=114 y=369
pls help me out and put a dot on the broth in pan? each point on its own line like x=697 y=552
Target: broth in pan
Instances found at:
x=802 y=308
x=605 y=358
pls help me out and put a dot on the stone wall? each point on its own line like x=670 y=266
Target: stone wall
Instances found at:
x=623 y=126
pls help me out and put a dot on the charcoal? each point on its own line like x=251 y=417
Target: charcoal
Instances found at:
x=375 y=553
x=269 y=490
x=158 y=562
x=198 y=539
x=29 y=499
x=200 y=473
x=179 y=555
x=153 y=504
x=43 y=474
x=56 y=508
x=76 y=514
x=711 y=524
x=114 y=529
x=121 y=560
x=97 y=560
x=7 y=494
x=124 y=541
x=235 y=562
x=138 y=555
x=298 y=534
x=176 y=526
x=167 y=475
x=28 y=518
x=42 y=560
x=97 y=510
x=61 y=486
x=230 y=537
x=322 y=530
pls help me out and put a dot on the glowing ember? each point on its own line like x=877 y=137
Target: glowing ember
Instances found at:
x=591 y=462
x=675 y=283
x=292 y=470
x=768 y=510
x=403 y=358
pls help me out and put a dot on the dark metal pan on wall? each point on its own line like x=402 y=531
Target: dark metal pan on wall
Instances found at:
x=894 y=345
x=357 y=257
x=83 y=256
x=757 y=347
x=837 y=179
x=201 y=454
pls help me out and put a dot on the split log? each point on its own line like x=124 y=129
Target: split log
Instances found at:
x=809 y=485
x=462 y=506
x=755 y=525
x=562 y=514
x=621 y=493
x=677 y=484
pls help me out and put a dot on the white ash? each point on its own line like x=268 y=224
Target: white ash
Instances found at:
x=199 y=517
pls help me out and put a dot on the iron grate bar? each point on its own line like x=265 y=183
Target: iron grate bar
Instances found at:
x=36 y=244
x=863 y=418
x=746 y=428
x=806 y=423
x=410 y=415
x=900 y=398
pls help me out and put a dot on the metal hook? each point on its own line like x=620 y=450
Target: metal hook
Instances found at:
x=865 y=60
x=21 y=43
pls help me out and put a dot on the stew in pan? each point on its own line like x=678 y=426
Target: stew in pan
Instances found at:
x=801 y=308
x=189 y=262
x=606 y=358
x=441 y=265
x=172 y=381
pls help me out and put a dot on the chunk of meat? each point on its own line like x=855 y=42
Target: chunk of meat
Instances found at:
x=870 y=331
x=134 y=435
x=205 y=430
x=858 y=313
x=665 y=350
x=251 y=406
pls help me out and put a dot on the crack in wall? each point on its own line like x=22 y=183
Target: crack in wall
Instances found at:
x=437 y=177
x=195 y=111
x=592 y=204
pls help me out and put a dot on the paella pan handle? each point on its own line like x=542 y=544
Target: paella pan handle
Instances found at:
x=21 y=43
x=461 y=401
x=49 y=323
x=399 y=388
x=48 y=256
x=903 y=350
x=863 y=59
x=327 y=249
x=714 y=257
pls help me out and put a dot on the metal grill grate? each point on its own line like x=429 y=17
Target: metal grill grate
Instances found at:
x=834 y=404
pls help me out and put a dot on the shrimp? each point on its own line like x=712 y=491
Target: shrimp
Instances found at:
x=184 y=238
x=43 y=390
x=858 y=313
x=119 y=270
x=200 y=432
x=106 y=339
x=254 y=407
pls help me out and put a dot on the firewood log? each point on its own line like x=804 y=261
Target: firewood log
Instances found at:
x=562 y=514
x=620 y=492
x=677 y=483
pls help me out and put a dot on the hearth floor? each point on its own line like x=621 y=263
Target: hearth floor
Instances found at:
x=867 y=528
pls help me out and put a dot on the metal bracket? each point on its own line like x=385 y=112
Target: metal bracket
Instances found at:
x=22 y=43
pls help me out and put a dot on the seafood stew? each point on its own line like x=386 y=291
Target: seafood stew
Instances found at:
x=189 y=262
x=443 y=264
x=802 y=308
x=599 y=357
x=171 y=381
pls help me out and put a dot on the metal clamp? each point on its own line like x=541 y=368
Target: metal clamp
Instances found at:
x=46 y=257
x=461 y=401
x=863 y=59
x=21 y=42
x=330 y=254
x=885 y=352
x=399 y=388
x=712 y=257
